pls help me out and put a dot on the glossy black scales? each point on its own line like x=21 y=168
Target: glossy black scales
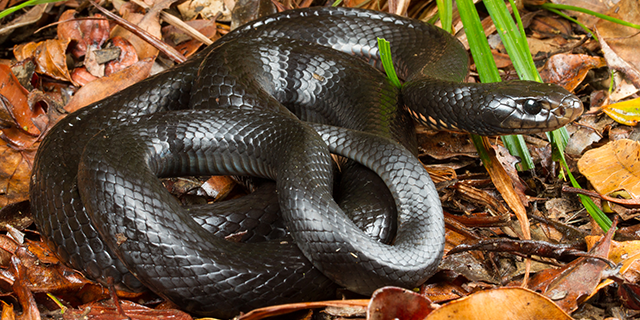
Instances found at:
x=242 y=126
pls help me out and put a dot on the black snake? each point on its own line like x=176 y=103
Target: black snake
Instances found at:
x=94 y=193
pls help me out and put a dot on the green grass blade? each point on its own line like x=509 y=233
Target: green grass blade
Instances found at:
x=517 y=147
x=478 y=44
x=13 y=9
x=559 y=139
x=589 y=12
x=387 y=63
x=514 y=41
x=482 y=56
x=488 y=72
x=445 y=11
x=516 y=45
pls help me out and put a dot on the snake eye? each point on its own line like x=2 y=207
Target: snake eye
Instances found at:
x=532 y=106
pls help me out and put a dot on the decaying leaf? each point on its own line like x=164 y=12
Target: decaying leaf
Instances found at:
x=149 y=22
x=614 y=166
x=206 y=9
x=620 y=43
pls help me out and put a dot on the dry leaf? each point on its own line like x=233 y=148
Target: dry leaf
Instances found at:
x=206 y=9
x=614 y=166
x=149 y=22
x=107 y=310
x=49 y=56
x=128 y=56
x=497 y=304
x=391 y=303
x=14 y=174
x=18 y=98
x=568 y=70
x=107 y=86
x=89 y=32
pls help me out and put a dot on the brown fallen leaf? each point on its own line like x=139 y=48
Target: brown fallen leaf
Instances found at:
x=184 y=43
x=497 y=304
x=25 y=296
x=205 y=8
x=107 y=86
x=7 y=312
x=390 y=303
x=49 y=56
x=548 y=26
x=149 y=22
x=218 y=187
x=569 y=70
x=106 y=310
x=88 y=32
x=18 y=97
x=273 y=311
x=128 y=56
x=614 y=166
x=14 y=173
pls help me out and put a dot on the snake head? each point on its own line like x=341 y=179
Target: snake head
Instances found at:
x=529 y=107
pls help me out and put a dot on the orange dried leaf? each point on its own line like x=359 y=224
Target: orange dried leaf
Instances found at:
x=24 y=51
x=128 y=56
x=497 y=304
x=107 y=86
x=625 y=112
x=149 y=22
x=568 y=70
x=88 y=32
x=14 y=174
x=49 y=56
x=7 y=312
x=106 y=310
x=614 y=166
x=18 y=98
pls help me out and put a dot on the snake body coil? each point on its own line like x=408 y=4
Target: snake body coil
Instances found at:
x=101 y=199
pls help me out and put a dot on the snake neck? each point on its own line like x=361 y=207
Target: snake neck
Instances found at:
x=447 y=105
x=487 y=109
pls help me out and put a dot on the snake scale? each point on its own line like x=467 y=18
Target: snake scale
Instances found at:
x=235 y=109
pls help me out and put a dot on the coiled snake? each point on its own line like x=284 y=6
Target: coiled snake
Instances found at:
x=95 y=194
